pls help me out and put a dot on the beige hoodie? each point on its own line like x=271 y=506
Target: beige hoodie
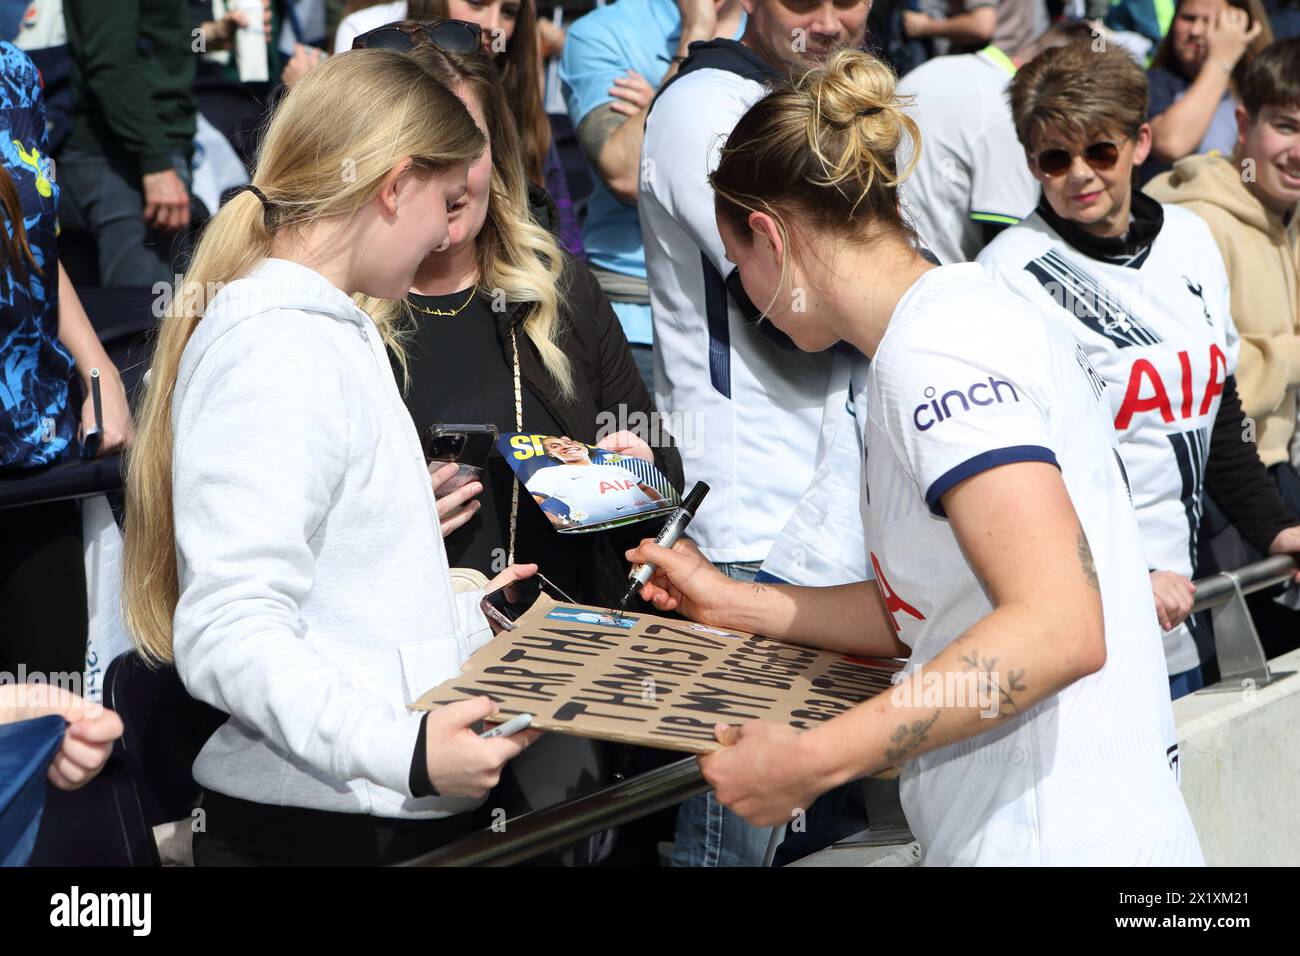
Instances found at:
x=1262 y=258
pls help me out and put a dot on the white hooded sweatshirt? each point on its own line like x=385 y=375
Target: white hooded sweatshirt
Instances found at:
x=315 y=602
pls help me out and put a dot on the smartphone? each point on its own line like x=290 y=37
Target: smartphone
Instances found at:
x=467 y=445
x=506 y=604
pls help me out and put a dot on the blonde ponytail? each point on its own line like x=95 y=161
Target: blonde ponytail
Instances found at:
x=331 y=141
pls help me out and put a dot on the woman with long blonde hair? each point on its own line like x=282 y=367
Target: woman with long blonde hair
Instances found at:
x=510 y=33
x=282 y=543
x=502 y=326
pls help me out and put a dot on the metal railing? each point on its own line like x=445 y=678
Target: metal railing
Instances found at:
x=1218 y=589
x=535 y=833
x=540 y=831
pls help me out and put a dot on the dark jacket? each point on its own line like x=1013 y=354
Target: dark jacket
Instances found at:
x=132 y=66
x=606 y=380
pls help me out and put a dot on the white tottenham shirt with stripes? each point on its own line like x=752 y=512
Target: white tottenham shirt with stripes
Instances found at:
x=755 y=406
x=969 y=377
x=1158 y=329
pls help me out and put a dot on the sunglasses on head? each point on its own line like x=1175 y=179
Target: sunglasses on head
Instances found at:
x=1100 y=156
x=450 y=36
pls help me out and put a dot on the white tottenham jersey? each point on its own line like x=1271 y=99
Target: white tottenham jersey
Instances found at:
x=591 y=489
x=972 y=168
x=1158 y=329
x=969 y=377
x=756 y=405
x=821 y=545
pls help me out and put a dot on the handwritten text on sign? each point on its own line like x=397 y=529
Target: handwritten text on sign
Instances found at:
x=649 y=680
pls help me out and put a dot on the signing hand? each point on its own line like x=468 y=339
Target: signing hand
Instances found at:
x=1174 y=595
x=766 y=774
x=685 y=581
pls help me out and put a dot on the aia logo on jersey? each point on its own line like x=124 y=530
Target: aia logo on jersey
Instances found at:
x=893 y=603
x=1195 y=289
x=931 y=413
x=1143 y=378
x=608 y=486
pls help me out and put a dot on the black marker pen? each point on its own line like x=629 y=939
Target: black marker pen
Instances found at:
x=673 y=530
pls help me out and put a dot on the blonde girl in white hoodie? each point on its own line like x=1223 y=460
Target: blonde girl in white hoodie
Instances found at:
x=282 y=543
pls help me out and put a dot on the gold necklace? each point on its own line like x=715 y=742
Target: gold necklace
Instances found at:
x=456 y=311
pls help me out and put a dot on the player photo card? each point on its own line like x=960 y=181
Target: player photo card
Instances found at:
x=580 y=487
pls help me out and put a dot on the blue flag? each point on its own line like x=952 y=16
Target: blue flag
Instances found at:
x=26 y=750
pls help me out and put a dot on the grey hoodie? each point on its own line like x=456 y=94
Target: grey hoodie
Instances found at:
x=315 y=601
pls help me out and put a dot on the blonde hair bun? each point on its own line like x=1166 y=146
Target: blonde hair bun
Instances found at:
x=855 y=92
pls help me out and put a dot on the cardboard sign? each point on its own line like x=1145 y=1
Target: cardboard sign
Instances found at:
x=648 y=680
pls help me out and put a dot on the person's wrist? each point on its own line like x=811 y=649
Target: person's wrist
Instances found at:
x=823 y=761
x=107 y=373
x=691 y=34
x=1222 y=64
x=734 y=606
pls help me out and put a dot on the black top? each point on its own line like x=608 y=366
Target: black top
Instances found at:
x=479 y=388
x=1146 y=219
x=608 y=391
x=132 y=67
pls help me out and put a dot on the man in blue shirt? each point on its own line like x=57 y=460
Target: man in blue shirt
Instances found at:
x=615 y=59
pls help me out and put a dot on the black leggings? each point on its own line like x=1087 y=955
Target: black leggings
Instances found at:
x=243 y=833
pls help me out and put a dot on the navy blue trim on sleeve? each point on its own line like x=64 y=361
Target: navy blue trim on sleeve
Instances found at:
x=983 y=462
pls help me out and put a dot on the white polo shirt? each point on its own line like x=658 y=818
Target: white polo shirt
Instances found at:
x=972 y=168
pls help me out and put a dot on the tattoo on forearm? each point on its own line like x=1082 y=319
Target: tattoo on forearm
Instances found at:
x=596 y=128
x=1085 y=559
x=907 y=738
x=1005 y=685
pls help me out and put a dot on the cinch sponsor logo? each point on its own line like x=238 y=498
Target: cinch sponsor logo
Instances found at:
x=929 y=414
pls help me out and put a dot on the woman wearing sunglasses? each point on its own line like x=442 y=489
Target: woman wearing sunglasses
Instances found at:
x=507 y=31
x=1143 y=290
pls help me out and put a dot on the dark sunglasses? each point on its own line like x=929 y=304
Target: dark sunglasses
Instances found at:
x=1100 y=156
x=450 y=36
